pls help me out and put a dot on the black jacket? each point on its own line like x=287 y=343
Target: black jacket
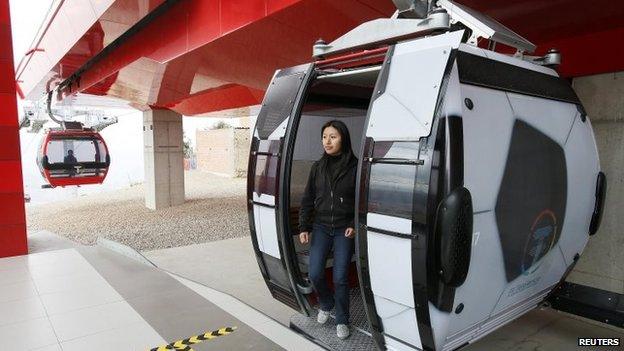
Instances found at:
x=329 y=204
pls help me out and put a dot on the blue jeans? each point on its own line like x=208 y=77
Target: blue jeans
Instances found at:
x=323 y=239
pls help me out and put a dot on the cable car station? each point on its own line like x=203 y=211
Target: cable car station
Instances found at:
x=482 y=203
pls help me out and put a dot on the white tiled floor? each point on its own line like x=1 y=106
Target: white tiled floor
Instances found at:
x=29 y=334
x=21 y=310
x=54 y=347
x=56 y=301
x=130 y=337
x=17 y=291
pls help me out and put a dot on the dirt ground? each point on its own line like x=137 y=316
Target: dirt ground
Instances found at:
x=215 y=209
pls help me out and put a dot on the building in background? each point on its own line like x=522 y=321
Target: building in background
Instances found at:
x=223 y=151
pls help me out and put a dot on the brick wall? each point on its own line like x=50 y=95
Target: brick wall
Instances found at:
x=223 y=151
x=242 y=142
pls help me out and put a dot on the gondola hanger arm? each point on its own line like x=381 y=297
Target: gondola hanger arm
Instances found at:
x=420 y=18
x=49 y=109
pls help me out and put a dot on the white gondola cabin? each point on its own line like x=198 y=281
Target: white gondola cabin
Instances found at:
x=478 y=185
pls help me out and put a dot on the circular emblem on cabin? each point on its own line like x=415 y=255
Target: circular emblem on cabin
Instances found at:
x=540 y=240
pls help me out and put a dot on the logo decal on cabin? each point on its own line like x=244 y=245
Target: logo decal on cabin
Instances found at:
x=531 y=204
x=540 y=240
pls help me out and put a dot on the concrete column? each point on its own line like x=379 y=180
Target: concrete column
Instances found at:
x=164 y=159
x=602 y=263
x=12 y=212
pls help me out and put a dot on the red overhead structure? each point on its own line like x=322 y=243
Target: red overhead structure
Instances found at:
x=197 y=50
x=12 y=213
x=187 y=55
x=198 y=56
x=587 y=34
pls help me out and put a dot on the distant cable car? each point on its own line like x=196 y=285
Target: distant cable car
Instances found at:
x=478 y=185
x=73 y=156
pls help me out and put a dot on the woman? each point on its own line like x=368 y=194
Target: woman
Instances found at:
x=327 y=210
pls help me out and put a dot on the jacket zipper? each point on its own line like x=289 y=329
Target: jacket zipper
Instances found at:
x=331 y=192
x=332 y=209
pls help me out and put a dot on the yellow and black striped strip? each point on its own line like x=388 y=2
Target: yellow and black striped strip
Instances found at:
x=185 y=345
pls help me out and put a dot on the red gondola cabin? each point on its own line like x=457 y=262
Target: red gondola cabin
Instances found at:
x=73 y=157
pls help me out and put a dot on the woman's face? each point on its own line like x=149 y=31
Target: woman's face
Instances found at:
x=332 y=141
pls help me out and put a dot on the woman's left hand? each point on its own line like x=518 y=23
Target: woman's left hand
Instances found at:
x=350 y=232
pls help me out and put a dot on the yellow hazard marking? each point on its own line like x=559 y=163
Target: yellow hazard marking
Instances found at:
x=185 y=345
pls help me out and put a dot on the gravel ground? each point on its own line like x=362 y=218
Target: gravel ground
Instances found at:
x=215 y=209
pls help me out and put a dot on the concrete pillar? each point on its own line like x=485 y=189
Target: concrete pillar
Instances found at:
x=12 y=212
x=164 y=159
x=602 y=263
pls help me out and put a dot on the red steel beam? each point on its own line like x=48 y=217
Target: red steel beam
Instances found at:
x=12 y=214
x=208 y=44
x=222 y=98
x=183 y=27
x=247 y=56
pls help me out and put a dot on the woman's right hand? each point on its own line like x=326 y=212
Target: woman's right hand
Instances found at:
x=304 y=237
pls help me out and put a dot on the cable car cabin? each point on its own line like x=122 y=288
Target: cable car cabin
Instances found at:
x=478 y=186
x=73 y=157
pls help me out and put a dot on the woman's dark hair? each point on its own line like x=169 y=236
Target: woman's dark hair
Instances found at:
x=346 y=155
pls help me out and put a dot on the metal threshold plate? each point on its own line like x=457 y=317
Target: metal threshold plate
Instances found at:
x=325 y=334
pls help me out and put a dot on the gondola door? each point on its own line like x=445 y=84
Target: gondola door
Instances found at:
x=267 y=189
x=396 y=161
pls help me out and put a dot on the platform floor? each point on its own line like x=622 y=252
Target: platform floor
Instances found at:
x=234 y=270
x=66 y=297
